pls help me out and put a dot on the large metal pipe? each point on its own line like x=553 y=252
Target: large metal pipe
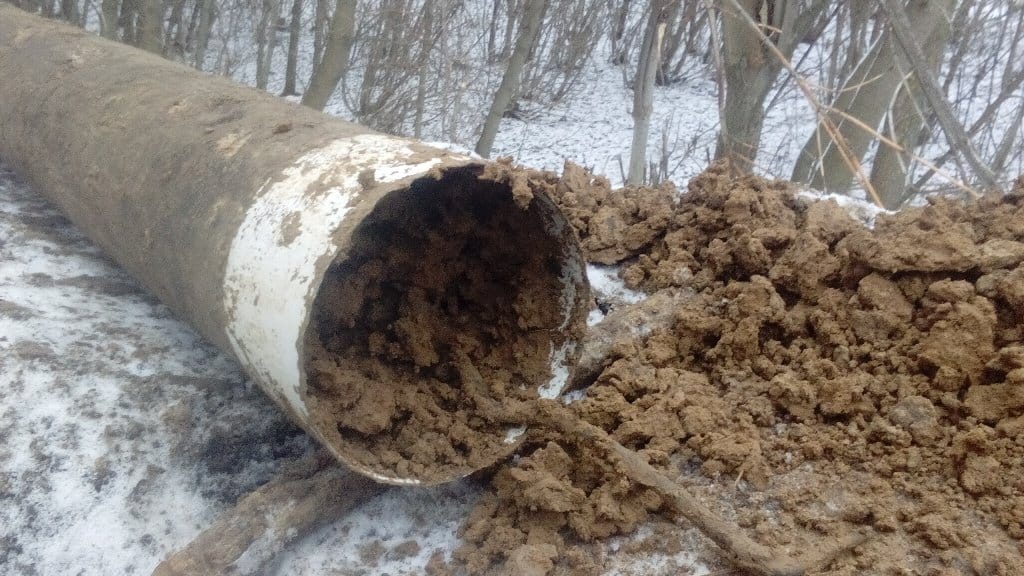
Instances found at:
x=232 y=207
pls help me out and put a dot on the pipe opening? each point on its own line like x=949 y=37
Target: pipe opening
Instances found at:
x=441 y=265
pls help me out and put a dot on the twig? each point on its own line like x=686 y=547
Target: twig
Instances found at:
x=245 y=539
x=958 y=138
x=742 y=551
x=823 y=111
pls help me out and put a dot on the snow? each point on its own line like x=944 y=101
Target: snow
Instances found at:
x=124 y=434
x=856 y=206
x=429 y=516
x=609 y=288
x=88 y=363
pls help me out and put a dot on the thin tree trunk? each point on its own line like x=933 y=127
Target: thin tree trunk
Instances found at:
x=319 y=30
x=618 y=31
x=108 y=18
x=329 y=71
x=492 y=31
x=83 y=16
x=528 y=33
x=181 y=35
x=294 y=33
x=151 y=26
x=126 y=21
x=671 y=42
x=266 y=36
x=905 y=35
x=1007 y=91
x=206 y=16
x=643 y=91
x=175 y=30
x=426 y=43
x=69 y=10
x=866 y=96
x=510 y=23
x=890 y=169
x=1006 y=144
x=750 y=69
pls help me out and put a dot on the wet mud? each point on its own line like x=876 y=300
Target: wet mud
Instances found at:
x=825 y=377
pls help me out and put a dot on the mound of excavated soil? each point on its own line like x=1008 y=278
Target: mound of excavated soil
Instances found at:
x=825 y=376
x=460 y=265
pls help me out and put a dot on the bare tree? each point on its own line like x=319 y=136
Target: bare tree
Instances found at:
x=750 y=69
x=69 y=11
x=320 y=23
x=108 y=18
x=426 y=45
x=266 y=41
x=294 y=35
x=643 y=90
x=150 y=31
x=563 y=48
x=955 y=133
x=529 y=28
x=393 y=75
x=687 y=34
x=331 y=68
x=207 y=13
x=174 y=33
x=617 y=34
x=126 y=21
x=863 y=101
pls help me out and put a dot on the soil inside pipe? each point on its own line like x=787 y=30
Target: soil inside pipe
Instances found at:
x=455 y=264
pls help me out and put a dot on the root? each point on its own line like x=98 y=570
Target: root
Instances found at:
x=742 y=551
x=247 y=538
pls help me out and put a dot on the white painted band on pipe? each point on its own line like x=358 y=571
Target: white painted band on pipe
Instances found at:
x=272 y=270
x=286 y=242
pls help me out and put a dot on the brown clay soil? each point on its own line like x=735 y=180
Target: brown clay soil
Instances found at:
x=446 y=269
x=824 y=377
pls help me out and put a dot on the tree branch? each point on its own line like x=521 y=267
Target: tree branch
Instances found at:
x=246 y=539
x=954 y=131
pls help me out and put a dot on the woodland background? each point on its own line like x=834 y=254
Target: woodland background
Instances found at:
x=887 y=99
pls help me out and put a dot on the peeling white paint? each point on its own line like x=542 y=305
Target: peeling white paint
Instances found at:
x=269 y=285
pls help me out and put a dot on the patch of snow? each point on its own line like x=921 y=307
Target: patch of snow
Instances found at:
x=573 y=396
x=858 y=207
x=365 y=540
x=123 y=431
x=605 y=281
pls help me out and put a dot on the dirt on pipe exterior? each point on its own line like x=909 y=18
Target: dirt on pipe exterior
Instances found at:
x=232 y=206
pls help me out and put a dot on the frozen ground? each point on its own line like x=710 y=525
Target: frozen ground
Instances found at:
x=123 y=434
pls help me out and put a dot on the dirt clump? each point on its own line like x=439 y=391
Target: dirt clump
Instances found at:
x=823 y=377
x=443 y=267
